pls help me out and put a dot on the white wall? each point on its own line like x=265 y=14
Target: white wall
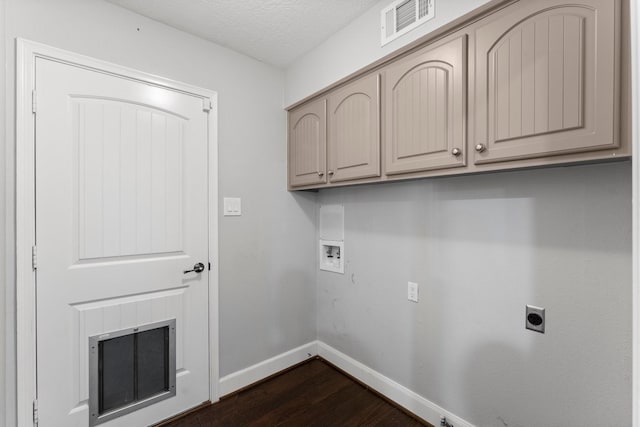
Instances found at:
x=481 y=248
x=267 y=256
x=357 y=46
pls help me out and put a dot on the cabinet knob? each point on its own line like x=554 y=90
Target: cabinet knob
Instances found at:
x=480 y=148
x=320 y=173
x=330 y=172
x=456 y=152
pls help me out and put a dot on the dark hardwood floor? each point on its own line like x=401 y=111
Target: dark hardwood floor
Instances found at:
x=312 y=394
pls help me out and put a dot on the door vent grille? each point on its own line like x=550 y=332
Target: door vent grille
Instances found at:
x=402 y=16
x=130 y=369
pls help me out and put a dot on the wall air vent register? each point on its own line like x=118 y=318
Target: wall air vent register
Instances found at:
x=402 y=16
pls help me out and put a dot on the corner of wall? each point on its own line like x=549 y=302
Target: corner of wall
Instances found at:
x=4 y=390
x=635 y=144
x=316 y=265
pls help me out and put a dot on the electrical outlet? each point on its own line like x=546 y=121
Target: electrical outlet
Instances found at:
x=534 y=318
x=412 y=292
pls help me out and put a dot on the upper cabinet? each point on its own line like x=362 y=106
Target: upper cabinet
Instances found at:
x=425 y=109
x=545 y=80
x=519 y=83
x=354 y=130
x=307 y=144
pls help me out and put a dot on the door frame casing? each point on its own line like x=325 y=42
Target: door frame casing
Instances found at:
x=26 y=54
x=635 y=174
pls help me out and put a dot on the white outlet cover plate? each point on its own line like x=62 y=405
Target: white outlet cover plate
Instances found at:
x=232 y=206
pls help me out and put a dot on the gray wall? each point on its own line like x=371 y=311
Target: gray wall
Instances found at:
x=267 y=256
x=357 y=45
x=3 y=241
x=481 y=247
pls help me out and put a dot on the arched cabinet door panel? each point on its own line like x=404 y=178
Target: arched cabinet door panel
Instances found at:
x=425 y=109
x=546 y=80
x=307 y=144
x=354 y=130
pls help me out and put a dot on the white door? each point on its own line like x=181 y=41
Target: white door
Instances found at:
x=121 y=212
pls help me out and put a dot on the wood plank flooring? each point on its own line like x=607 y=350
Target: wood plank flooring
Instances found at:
x=312 y=394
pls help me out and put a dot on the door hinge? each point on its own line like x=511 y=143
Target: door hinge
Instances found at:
x=34 y=257
x=35 y=412
x=34 y=101
x=207 y=105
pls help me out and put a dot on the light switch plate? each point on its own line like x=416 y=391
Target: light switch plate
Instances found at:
x=232 y=206
x=412 y=291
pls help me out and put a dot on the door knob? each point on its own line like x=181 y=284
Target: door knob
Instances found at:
x=456 y=151
x=197 y=268
x=480 y=148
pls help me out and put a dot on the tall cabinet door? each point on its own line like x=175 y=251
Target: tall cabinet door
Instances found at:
x=546 y=80
x=308 y=144
x=425 y=109
x=354 y=130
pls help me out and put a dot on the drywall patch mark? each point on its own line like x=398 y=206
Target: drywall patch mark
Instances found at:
x=353 y=278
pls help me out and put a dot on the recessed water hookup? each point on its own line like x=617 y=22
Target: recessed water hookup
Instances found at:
x=332 y=256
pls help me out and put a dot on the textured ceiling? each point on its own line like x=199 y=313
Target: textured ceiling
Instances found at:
x=273 y=31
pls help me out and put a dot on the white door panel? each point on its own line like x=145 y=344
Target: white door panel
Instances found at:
x=130 y=175
x=121 y=211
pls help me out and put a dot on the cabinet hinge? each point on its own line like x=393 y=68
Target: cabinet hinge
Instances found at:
x=34 y=257
x=35 y=412
x=207 y=105
x=34 y=101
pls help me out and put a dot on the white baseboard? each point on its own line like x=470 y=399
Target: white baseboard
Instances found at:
x=237 y=380
x=398 y=393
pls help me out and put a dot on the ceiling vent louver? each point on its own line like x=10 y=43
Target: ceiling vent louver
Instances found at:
x=402 y=16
